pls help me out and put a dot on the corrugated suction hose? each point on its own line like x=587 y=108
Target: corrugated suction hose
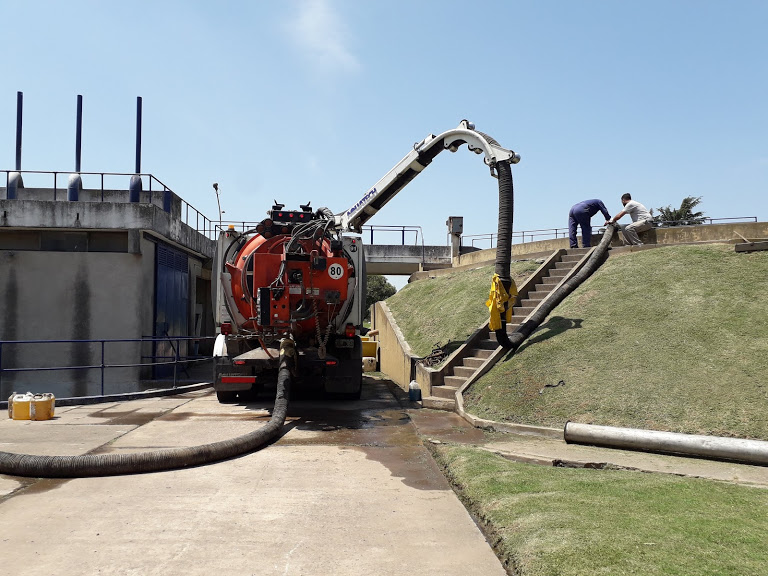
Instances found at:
x=550 y=303
x=169 y=459
x=504 y=243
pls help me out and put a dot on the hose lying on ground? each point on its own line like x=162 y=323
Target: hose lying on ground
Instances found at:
x=558 y=295
x=169 y=459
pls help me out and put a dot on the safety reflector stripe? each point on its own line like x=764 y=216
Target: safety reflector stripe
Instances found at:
x=238 y=379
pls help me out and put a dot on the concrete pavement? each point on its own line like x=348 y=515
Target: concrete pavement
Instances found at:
x=348 y=489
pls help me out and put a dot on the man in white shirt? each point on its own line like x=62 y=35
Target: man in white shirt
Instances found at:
x=641 y=220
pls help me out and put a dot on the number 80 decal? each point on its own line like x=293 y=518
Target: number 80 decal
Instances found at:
x=335 y=271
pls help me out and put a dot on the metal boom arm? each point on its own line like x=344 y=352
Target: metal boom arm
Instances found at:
x=414 y=162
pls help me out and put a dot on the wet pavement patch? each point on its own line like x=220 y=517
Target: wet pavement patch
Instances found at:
x=318 y=425
x=446 y=427
x=127 y=417
x=414 y=465
x=32 y=486
x=182 y=416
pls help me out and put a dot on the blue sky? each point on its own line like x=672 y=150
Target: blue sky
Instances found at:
x=314 y=100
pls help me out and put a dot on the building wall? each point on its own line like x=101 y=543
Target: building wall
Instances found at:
x=82 y=271
x=70 y=296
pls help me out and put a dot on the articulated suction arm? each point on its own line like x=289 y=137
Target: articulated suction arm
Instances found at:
x=415 y=161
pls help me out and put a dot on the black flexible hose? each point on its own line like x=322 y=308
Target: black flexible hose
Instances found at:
x=173 y=458
x=504 y=243
x=596 y=259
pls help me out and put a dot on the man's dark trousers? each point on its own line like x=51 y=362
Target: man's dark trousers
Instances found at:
x=583 y=219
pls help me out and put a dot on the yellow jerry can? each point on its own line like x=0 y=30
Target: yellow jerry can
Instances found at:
x=31 y=406
x=19 y=406
x=42 y=406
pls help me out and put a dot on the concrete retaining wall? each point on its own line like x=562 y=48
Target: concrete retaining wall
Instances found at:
x=396 y=359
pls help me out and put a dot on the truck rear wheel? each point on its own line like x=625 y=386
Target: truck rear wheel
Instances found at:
x=226 y=396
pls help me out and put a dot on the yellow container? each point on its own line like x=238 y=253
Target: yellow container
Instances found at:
x=370 y=348
x=20 y=406
x=10 y=405
x=31 y=406
x=42 y=406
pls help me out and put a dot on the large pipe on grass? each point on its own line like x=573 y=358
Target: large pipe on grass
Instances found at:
x=713 y=447
x=169 y=459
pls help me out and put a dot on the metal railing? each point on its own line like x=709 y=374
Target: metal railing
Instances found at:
x=517 y=237
x=176 y=359
x=202 y=223
x=400 y=230
x=699 y=221
x=549 y=233
x=404 y=232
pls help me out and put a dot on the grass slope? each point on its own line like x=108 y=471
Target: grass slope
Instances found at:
x=673 y=339
x=447 y=309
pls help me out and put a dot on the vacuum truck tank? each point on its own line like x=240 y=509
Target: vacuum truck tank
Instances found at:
x=292 y=276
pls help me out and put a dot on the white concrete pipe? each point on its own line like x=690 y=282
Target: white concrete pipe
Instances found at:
x=714 y=447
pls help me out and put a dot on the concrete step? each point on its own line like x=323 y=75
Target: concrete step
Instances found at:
x=565 y=265
x=448 y=391
x=489 y=344
x=521 y=312
x=572 y=257
x=580 y=251
x=541 y=287
x=530 y=303
x=473 y=362
x=463 y=371
x=537 y=295
x=480 y=353
x=558 y=273
x=551 y=281
x=437 y=403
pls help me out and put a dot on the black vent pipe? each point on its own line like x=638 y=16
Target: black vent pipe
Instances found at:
x=136 y=186
x=75 y=184
x=19 y=114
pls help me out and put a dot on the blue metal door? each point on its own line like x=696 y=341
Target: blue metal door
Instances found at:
x=171 y=306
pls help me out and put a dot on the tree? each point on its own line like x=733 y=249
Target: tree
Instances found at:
x=378 y=288
x=683 y=215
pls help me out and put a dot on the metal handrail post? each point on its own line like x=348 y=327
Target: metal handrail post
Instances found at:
x=102 y=367
x=176 y=364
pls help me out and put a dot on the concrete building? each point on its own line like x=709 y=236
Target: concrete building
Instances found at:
x=95 y=265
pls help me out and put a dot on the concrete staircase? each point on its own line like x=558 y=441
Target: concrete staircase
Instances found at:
x=475 y=355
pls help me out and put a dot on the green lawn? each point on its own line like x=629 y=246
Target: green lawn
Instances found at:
x=572 y=522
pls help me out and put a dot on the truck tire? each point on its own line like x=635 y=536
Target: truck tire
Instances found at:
x=226 y=396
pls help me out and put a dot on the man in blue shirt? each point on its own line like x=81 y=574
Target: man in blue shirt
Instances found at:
x=581 y=215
